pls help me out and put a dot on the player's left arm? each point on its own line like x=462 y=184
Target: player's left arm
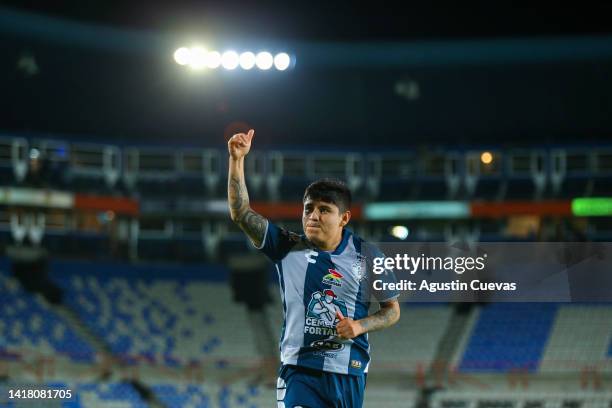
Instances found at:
x=386 y=316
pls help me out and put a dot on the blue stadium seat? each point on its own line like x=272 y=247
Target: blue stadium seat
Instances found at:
x=509 y=336
x=29 y=321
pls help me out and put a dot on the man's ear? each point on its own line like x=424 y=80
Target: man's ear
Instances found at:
x=346 y=217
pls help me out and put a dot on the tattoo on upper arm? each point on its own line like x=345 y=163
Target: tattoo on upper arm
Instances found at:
x=254 y=225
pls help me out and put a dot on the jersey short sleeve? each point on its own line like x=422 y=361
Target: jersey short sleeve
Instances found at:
x=385 y=276
x=278 y=242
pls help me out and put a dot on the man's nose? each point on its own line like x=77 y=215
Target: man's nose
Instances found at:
x=314 y=215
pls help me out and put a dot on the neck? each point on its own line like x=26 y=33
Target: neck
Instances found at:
x=329 y=245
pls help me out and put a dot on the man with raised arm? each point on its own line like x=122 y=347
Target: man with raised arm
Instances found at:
x=324 y=277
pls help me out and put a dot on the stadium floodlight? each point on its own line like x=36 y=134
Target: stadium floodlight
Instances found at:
x=486 y=158
x=198 y=58
x=213 y=59
x=247 y=60
x=282 y=61
x=229 y=60
x=264 y=60
x=182 y=56
x=400 y=232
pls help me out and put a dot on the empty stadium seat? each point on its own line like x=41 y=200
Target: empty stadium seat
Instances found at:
x=32 y=327
x=508 y=336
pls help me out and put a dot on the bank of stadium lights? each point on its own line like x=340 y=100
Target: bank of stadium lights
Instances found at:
x=199 y=58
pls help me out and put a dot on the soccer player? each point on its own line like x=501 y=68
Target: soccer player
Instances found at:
x=324 y=280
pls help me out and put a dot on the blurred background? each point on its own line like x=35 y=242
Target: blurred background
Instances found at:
x=122 y=278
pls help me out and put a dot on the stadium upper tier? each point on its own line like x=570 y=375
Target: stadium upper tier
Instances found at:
x=418 y=174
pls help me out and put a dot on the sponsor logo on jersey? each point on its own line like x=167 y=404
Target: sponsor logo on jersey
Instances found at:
x=326 y=354
x=355 y=363
x=327 y=344
x=321 y=316
x=333 y=278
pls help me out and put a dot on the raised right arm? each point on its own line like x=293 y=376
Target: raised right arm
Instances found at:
x=253 y=224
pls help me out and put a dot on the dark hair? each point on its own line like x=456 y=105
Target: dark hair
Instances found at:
x=331 y=191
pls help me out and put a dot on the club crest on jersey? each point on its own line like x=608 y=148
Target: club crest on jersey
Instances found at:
x=333 y=278
x=359 y=268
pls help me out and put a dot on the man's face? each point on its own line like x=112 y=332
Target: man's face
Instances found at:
x=323 y=222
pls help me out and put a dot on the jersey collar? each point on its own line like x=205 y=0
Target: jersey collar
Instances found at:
x=346 y=234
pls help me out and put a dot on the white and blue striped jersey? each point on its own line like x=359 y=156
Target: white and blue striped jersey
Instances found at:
x=314 y=284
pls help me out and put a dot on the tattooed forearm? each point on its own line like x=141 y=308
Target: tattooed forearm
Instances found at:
x=237 y=195
x=254 y=225
x=387 y=316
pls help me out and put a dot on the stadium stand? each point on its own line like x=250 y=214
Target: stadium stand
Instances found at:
x=212 y=394
x=434 y=174
x=520 y=399
x=161 y=320
x=580 y=337
x=29 y=325
x=509 y=336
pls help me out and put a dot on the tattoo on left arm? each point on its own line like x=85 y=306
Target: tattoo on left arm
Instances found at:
x=386 y=316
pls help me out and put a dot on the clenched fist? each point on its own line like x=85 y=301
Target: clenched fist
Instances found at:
x=240 y=144
x=348 y=328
